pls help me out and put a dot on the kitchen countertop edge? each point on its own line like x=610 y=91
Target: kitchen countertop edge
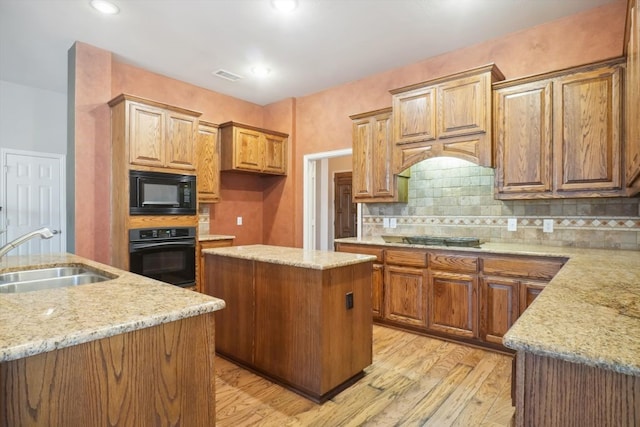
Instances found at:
x=294 y=257
x=41 y=321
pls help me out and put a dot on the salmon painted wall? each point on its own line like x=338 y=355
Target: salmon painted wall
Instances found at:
x=323 y=118
x=92 y=152
x=272 y=207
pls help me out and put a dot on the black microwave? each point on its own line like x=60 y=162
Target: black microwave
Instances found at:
x=158 y=193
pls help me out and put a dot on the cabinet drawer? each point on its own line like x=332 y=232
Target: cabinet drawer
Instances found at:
x=522 y=267
x=453 y=262
x=360 y=249
x=410 y=258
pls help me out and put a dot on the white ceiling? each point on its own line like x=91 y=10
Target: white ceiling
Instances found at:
x=322 y=44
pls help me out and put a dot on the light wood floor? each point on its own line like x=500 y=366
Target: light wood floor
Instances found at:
x=413 y=381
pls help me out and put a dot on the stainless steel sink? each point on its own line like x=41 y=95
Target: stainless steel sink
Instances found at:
x=49 y=278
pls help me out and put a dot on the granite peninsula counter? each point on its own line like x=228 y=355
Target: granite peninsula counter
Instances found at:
x=301 y=318
x=578 y=344
x=121 y=336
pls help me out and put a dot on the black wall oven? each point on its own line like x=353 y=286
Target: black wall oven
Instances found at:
x=159 y=193
x=165 y=254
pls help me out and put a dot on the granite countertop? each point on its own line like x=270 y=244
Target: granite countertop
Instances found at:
x=589 y=313
x=210 y=237
x=296 y=257
x=41 y=321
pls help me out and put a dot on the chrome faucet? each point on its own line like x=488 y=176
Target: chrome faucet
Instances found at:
x=44 y=233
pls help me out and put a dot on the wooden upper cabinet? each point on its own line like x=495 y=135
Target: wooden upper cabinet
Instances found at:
x=208 y=163
x=275 y=154
x=449 y=116
x=587 y=127
x=249 y=149
x=462 y=107
x=146 y=135
x=558 y=135
x=415 y=115
x=632 y=96
x=155 y=135
x=373 y=178
x=180 y=151
x=523 y=137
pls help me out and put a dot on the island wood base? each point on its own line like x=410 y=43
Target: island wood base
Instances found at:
x=161 y=375
x=552 y=392
x=291 y=324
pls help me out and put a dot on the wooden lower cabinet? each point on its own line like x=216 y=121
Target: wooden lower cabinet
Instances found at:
x=235 y=324
x=293 y=324
x=207 y=244
x=405 y=295
x=453 y=304
x=163 y=375
x=457 y=295
x=377 y=291
x=499 y=305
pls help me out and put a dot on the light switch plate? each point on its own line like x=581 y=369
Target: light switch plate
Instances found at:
x=547 y=226
x=239 y=220
x=393 y=223
x=512 y=224
x=385 y=222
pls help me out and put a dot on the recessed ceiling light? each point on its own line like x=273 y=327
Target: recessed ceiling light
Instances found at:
x=284 y=5
x=105 y=7
x=260 y=71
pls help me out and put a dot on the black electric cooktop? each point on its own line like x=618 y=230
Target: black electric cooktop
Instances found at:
x=467 y=242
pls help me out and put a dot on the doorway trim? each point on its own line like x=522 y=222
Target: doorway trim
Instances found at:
x=4 y=152
x=309 y=196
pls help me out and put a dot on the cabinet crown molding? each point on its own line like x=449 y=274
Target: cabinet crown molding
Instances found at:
x=127 y=97
x=495 y=72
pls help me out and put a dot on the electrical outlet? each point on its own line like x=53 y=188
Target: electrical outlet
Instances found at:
x=547 y=226
x=393 y=223
x=385 y=222
x=512 y=224
x=349 y=300
x=239 y=220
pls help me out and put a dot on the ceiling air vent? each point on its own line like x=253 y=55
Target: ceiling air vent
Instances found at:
x=228 y=75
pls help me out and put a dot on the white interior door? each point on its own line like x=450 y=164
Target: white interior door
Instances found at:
x=33 y=197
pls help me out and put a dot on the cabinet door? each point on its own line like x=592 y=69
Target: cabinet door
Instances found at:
x=210 y=244
x=275 y=156
x=181 y=141
x=523 y=126
x=362 y=159
x=462 y=107
x=529 y=291
x=377 y=291
x=146 y=135
x=414 y=116
x=382 y=175
x=208 y=162
x=499 y=307
x=587 y=114
x=405 y=295
x=632 y=95
x=453 y=303
x=248 y=149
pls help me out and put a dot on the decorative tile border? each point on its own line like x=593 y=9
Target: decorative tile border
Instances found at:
x=582 y=223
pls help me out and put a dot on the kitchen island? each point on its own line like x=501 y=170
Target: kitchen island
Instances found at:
x=300 y=318
x=578 y=343
x=126 y=351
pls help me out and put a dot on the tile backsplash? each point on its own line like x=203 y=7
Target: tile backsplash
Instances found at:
x=203 y=219
x=452 y=197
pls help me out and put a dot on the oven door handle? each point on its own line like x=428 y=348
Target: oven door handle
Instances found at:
x=135 y=247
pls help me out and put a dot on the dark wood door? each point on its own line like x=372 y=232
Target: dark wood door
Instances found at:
x=345 y=209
